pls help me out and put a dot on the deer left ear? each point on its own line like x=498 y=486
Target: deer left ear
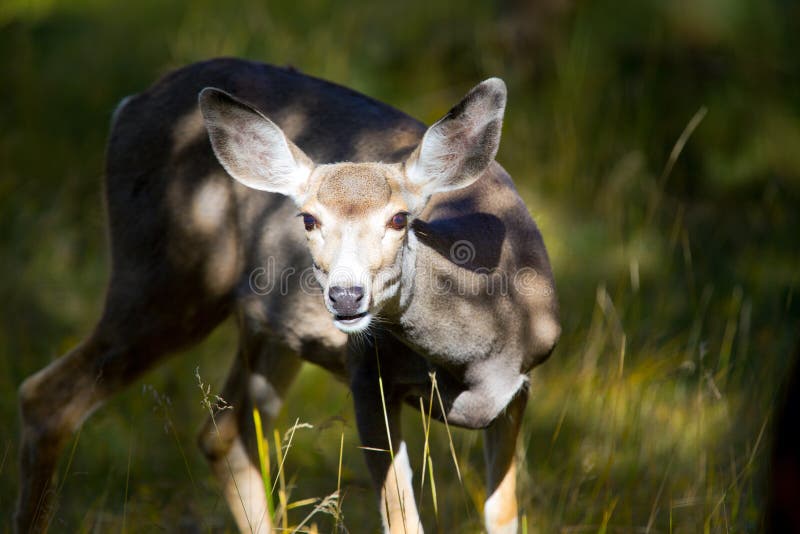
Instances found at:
x=458 y=148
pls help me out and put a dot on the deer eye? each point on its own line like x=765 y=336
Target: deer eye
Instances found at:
x=398 y=221
x=309 y=221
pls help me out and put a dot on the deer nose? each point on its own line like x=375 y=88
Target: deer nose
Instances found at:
x=346 y=300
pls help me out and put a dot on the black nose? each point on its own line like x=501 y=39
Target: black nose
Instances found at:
x=346 y=300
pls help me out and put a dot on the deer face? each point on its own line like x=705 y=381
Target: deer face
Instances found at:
x=356 y=221
x=357 y=215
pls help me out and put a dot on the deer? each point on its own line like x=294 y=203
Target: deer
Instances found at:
x=422 y=264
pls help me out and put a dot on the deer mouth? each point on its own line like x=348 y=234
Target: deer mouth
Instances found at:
x=352 y=323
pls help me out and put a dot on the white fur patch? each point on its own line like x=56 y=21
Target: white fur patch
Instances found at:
x=494 y=512
x=398 y=480
x=348 y=269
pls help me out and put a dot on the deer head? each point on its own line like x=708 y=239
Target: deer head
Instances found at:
x=357 y=215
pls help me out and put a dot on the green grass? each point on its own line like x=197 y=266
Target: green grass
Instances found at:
x=677 y=270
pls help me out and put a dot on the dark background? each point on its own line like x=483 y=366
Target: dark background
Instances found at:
x=677 y=266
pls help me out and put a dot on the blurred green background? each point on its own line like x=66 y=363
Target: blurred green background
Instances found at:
x=677 y=265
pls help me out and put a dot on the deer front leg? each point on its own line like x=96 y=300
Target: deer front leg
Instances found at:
x=500 y=441
x=385 y=451
x=222 y=443
x=260 y=377
x=481 y=396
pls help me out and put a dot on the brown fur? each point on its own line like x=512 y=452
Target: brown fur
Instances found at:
x=188 y=243
x=353 y=190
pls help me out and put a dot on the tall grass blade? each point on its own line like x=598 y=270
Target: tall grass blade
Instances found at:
x=282 y=497
x=391 y=447
x=339 y=485
x=447 y=427
x=263 y=460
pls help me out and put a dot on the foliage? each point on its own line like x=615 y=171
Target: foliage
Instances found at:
x=677 y=269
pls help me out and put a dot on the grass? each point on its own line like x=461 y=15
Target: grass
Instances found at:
x=672 y=234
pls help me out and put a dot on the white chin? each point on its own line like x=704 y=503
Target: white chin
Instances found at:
x=352 y=326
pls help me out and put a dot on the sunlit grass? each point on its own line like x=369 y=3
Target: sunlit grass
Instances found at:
x=677 y=274
x=635 y=449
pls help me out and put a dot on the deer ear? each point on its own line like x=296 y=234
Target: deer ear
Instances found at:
x=458 y=148
x=252 y=148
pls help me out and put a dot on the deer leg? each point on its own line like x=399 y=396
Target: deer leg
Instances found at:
x=481 y=396
x=385 y=450
x=53 y=403
x=56 y=400
x=221 y=443
x=260 y=377
x=500 y=441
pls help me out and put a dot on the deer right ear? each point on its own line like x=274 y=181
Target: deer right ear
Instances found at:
x=252 y=148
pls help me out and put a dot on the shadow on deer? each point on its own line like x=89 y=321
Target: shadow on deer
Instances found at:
x=422 y=261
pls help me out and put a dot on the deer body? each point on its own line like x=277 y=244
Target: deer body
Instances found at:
x=190 y=246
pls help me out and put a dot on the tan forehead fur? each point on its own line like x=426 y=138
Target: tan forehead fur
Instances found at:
x=354 y=189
